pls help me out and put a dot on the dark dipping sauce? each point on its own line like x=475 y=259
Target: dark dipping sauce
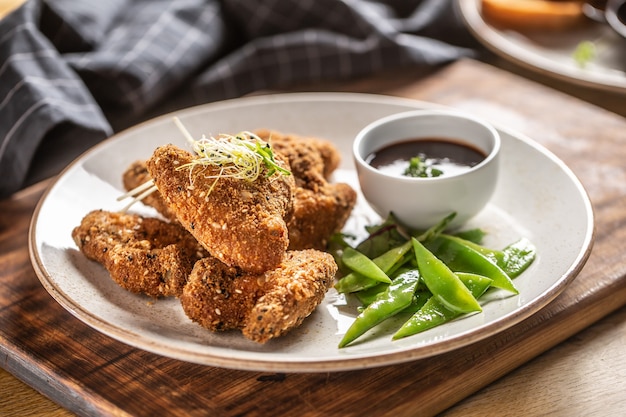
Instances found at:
x=448 y=156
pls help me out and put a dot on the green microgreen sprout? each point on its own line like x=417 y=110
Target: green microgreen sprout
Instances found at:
x=242 y=156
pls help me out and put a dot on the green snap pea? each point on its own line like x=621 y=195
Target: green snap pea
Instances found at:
x=389 y=259
x=495 y=255
x=363 y=265
x=518 y=257
x=395 y=298
x=461 y=256
x=354 y=282
x=368 y=295
x=419 y=299
x=444 y=284
x=472 y=235
x=434 y=313
x=336 y=245
x=386 y=262
x=454 y=271
x=513 y=259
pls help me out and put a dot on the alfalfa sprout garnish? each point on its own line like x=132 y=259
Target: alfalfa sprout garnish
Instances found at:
x=242 y=156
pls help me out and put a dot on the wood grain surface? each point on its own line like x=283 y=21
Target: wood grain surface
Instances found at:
x=586 y=376
x=91 y=374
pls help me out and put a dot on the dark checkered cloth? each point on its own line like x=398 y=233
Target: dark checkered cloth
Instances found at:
x=73 y=72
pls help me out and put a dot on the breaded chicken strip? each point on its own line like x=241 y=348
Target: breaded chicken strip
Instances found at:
x=293 y=291
x=143 y=255
x=220 y=297
x=242 y=223
x=263 y=306
x=320 y=208
x=318 y=214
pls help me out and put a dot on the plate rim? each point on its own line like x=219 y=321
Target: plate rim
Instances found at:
x=346 y=363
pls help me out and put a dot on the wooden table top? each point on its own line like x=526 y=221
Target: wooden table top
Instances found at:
x=566 y=359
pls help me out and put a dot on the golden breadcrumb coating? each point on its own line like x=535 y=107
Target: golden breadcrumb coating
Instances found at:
x=320 y=208
x=263 y=306
x=318 y=214
x=329 y=153
x=242 y=223
x=293 y=291
x=143 y=255
x=218 y=296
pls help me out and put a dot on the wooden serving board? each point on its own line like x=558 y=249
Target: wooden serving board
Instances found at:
x=92 y=374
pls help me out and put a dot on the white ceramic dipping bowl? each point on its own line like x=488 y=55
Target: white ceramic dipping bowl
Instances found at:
x=421 y=202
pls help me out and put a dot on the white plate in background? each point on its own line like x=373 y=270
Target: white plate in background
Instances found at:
x=551 y=53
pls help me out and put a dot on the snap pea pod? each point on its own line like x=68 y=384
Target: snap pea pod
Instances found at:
x=513 y=259
x=462 y=257
x=368 y=295
x=336 y=245
x=363 y=265
x=495 y=255
x=355 y=281
x=395 y=298
x=434 y=313
x=442 y=282
x=419 y=299
x=518 y=256
x=472 y=235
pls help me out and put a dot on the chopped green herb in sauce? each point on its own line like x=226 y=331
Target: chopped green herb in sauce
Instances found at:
x=419 y=168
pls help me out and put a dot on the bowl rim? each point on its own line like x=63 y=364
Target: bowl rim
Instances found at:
x=361 y=162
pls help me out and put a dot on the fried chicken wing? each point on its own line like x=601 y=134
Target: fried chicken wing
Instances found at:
x=143 y=255
x=263 y=306
x=242 y=223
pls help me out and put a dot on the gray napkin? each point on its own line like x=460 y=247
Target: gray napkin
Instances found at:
x=73 y=72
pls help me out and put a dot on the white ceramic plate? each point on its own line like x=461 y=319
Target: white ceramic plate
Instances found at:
x=537 y=197
x=552 y=53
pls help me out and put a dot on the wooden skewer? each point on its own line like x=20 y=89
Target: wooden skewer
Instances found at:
x=136 y=190
x=142 y=191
